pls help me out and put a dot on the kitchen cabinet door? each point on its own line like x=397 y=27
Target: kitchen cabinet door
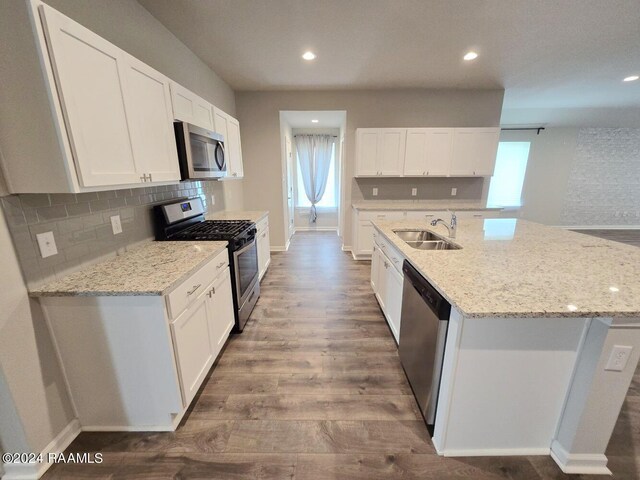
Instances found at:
x=264 y=251
x=486 y=145
x=89 y=74
x=192 y=342
x=221 y=313
x=375 y=268
x=393 y=301
x=234 y=149
x=439 y=150
x=383 y=265
x=364 y=242
x=474 y=151
x=415 y=157
x=189 y=107
x=152 y=135
x=391 y=143
x=367 y=152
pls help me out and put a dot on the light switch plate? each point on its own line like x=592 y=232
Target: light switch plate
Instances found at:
x=619 y=357
x=213 y=199
x=116 y=226
x=375 y=191
x=414 y=192
x=454 y=192
x=47 y=244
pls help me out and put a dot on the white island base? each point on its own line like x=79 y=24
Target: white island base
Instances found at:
x=533 y=386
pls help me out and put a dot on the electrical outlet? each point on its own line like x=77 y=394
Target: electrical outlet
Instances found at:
x=47 y=244
x=213 y=199
x=116 y=225
x=375 y=191
x=454 y=191
x=414 y=192
x=619 y=357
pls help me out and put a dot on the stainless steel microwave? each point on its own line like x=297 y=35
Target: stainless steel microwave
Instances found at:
x=200 y=152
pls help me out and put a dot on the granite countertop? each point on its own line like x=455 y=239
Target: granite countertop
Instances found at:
x=516 y=268
x=154 y=268
x=253 y=215
x=422 y=205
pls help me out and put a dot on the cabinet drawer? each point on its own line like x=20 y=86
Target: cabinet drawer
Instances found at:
x=262 y=224
x=389 y=250
x=179 y=299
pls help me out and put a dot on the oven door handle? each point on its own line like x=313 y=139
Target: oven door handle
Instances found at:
x=246 y=247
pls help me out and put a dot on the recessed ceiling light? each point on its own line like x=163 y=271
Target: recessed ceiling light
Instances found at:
x=631 y=78
x=572 y=308
x=470 y=56
x=314 y=121
x=309 y=55
x=614 y=289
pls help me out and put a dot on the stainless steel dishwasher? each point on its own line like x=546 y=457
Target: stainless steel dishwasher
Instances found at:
x=423 y=334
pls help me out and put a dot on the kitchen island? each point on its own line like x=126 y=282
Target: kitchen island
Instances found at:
x=535 y=314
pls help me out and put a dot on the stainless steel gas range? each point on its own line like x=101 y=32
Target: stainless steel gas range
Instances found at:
x=184 y=220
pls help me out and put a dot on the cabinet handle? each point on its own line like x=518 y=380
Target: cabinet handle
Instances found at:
x=474 y=172
x=386 y=265
x=192 y=291
x=235 y=174
x=220 y=264
x=264 y=234
x=150 y=179
x=143 y=178
x=211 y=292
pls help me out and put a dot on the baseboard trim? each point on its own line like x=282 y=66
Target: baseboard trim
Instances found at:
x=129 y=428
x=346 y=248
x=494 y=452
x=359 y=257
x=579 y=463
x=601 y=227
x=33 y=471
x=278 y=248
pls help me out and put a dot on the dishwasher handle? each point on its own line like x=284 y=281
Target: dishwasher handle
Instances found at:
x=436 y=302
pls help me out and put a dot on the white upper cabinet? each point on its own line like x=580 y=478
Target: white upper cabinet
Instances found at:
x=117 y=110
x=392 y=144
x=428 y=151
x=89 y=73
x=151 y=125
x=367 y=152
x=229 y=128
x=189 y=107
x=380 y=151
x=474 y=151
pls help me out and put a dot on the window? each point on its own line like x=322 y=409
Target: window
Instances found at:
x=330 y=197
x=505 y=189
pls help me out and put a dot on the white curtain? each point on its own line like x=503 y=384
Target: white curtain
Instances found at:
x=314 y=157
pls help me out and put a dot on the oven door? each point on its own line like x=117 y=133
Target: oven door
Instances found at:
x=246 y=271
x=203 y=152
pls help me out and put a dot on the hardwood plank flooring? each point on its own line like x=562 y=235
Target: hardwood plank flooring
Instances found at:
x=313 y=389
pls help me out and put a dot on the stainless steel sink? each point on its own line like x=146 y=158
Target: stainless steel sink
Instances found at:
x=425 y=240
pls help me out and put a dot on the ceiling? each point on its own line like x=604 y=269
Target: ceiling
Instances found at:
x=326 y=118
x=549 y=55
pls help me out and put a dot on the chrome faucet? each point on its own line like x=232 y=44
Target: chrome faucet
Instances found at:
x=452 y=228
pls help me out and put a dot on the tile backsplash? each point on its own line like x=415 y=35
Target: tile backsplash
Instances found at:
x=81 y=223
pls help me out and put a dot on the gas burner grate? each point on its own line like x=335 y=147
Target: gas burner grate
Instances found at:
x=213 y=230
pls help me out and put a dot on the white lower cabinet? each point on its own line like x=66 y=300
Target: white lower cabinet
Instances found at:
x=387 y=283
x=264 y=247
x=135 y=363
x=192 y=337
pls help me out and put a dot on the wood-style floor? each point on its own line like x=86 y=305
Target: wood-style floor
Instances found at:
x=313 y=389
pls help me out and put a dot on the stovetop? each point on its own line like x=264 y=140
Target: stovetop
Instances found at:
x=214 y=230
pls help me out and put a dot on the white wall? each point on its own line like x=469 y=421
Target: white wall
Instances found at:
x=581 y=176
x=259 y=115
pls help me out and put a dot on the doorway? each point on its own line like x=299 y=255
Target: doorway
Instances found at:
x=298 y=211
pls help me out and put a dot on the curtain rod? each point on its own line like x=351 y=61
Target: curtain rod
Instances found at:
x=312 y=134
x=537 y=129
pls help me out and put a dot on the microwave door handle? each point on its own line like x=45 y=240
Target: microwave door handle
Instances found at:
x=220 y=162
